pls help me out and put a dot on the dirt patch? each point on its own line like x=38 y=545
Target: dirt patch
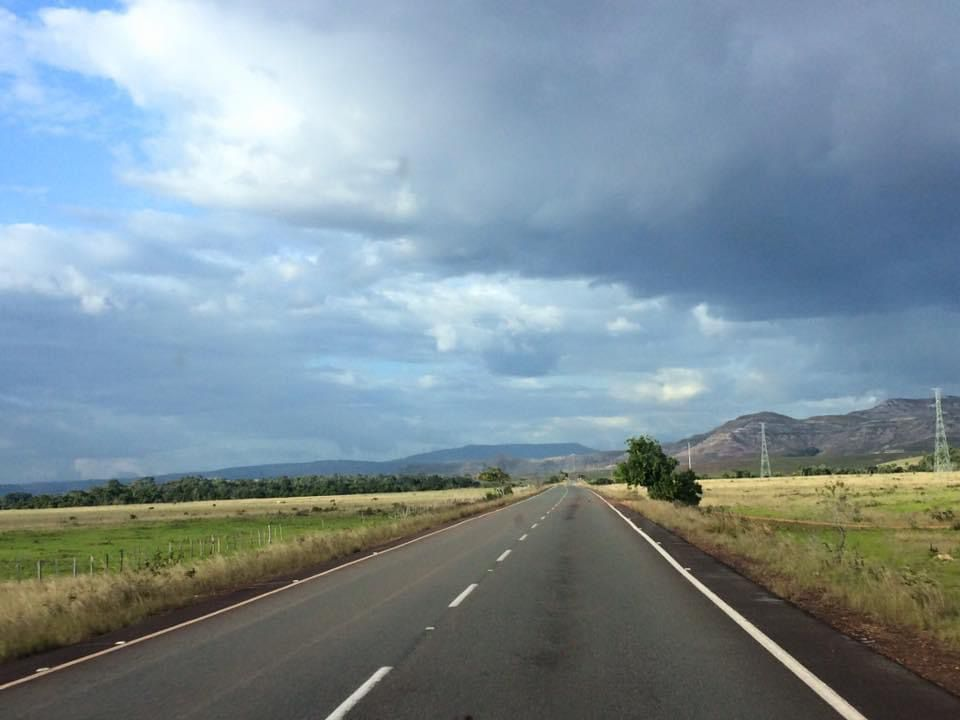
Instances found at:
x=920 y=652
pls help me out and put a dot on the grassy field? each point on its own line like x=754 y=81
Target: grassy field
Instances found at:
x=47 y=541
x=244 y=541
x=907 y=500
x=884 y=546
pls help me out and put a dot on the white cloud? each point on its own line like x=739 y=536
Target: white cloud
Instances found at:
x=105 y=468
x=667 y=385
x=256 y=114
x=621 y=325
x=709 y=324
x=474 y=312
x=36 y=259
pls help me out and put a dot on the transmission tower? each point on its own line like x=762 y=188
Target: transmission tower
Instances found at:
x=941 y=452
x=764 y=455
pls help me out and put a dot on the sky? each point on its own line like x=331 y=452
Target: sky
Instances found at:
x=240 y=231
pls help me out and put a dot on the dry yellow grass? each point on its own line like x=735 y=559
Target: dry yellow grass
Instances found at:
x=889 y=572
x=38 y=615
x=49 y=518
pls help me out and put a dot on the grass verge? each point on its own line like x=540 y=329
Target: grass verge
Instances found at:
x=885 y=586
x=43 y=614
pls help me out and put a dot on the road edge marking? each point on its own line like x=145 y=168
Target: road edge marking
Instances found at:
x=504 y=555
x=193 y=621
x=823 y=691
x=357 y=695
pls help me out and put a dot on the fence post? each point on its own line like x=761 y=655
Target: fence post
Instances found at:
x=280 y=527
x=19 y=569
x=91 y=564
x=106 y=562
x=39 y=569
x=169 y=550
x=74 y=565
x=219 y=550
x=269 y=534
x=121 y=559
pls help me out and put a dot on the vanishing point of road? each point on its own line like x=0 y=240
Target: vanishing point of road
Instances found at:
x=553 y=607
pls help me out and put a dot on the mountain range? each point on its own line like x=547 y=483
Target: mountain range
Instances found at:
x=893 y=429
x=516 y=459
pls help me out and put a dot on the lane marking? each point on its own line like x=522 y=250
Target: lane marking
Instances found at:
x=824 y=691
x=534 y=525
x=268 y=593
x=522 y=537
x=543 y=517
x=357 y=695
x=503 y=555
x=463 y=596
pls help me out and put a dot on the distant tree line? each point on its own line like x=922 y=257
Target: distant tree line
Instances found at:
x=193 y=487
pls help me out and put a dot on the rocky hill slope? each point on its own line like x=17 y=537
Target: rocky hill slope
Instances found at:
x=895 y=427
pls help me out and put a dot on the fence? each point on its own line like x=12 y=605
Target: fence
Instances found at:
x=139 y=557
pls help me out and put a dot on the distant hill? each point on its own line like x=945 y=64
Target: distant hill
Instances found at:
x=894 y=428
x=521 y=451
x=51 y=488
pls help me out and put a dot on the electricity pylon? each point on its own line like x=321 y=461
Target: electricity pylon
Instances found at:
x=941 y=452
x=764 y=455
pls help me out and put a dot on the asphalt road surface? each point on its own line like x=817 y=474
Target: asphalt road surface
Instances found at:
x=555 y=607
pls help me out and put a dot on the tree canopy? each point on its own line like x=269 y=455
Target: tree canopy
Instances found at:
x=648 y=466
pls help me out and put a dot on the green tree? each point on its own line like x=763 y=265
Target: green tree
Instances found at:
x=686 y=489
x=646 y=465
x=493 y=476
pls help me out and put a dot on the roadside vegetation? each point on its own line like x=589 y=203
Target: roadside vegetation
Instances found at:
x=37 y=614
x=649 y=467
x=885 y=546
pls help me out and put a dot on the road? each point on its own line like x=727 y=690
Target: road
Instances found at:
x=555 y=607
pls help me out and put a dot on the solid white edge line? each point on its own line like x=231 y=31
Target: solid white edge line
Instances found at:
x=503 y=555
x=463 y=596
x=186 y=623
x=357 y=695
x=824 y=691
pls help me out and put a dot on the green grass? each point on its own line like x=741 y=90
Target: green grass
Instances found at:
x=156 y=534
x=142 y=542
x=58 y=610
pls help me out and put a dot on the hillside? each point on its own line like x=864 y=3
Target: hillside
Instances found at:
x=894 y=428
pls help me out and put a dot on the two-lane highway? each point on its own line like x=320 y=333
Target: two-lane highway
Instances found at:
x=554 y=607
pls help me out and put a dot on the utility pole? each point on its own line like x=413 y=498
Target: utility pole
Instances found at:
x=689 y=458
x=764 y=455
x=941 y=452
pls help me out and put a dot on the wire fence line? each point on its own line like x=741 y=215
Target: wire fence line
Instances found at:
x=138 y=557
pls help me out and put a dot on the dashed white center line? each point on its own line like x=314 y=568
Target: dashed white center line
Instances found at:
x=534 y=525
x=463 y=596
x=522 y=537
x=543 y=517
x=344 y=707
x=503 y=555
